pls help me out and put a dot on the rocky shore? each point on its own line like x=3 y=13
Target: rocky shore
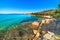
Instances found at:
x=22 y=32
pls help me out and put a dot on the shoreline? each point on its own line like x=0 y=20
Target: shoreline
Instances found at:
x=19 y=25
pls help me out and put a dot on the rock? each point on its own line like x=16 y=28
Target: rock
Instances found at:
x=49 y=24
x=45 y=16
x=49 y=36
x=35 y=23
x=24 y=31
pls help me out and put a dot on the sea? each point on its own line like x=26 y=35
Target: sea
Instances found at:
x=6 y=20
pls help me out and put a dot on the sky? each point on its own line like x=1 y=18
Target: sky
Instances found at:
x=27 y=6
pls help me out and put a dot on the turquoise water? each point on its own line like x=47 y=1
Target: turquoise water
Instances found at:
x=6 y=20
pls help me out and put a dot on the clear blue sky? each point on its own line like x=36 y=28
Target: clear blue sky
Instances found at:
x=27 y=5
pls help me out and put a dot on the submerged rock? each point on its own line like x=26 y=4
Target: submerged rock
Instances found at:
x=20 y=33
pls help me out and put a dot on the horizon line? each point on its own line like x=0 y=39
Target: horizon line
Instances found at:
x=17 y=12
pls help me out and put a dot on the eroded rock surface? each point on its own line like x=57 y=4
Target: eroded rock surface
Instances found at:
x=24 y=32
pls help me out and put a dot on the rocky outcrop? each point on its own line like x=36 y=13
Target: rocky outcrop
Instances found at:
x=24 y=32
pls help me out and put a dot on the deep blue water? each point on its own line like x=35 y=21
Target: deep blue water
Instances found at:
x=6 y=20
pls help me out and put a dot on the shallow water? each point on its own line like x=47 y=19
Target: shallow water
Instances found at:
x=6 y=20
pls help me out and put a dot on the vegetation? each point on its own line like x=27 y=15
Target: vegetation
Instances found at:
x=54 y=13
x=57 y=12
